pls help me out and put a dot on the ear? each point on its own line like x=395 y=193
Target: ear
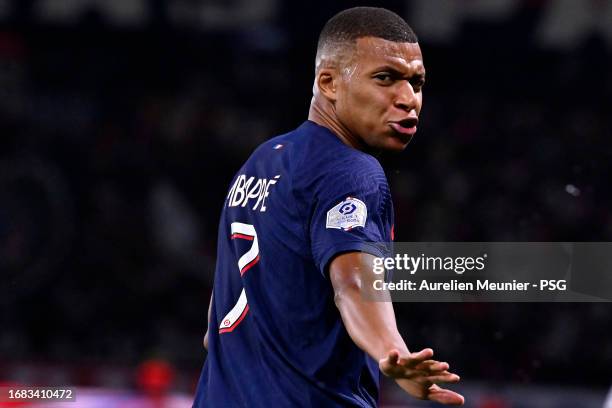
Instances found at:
x=327 y=82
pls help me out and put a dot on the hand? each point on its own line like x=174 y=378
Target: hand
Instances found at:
x=417 y=374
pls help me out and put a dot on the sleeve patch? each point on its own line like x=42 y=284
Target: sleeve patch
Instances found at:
x=347 y=215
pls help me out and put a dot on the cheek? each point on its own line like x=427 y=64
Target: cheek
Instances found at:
x=420 y=102
x=352 y=105
x=370 y=102
x=362 y=106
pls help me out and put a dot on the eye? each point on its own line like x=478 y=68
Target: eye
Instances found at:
x=384 y=77
x=417 y=84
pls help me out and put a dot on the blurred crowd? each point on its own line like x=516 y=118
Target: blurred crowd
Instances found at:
x=117 y=146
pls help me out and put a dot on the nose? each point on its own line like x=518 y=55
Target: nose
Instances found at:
x=406 y=99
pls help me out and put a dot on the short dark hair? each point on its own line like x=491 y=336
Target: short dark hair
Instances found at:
x=349 y=25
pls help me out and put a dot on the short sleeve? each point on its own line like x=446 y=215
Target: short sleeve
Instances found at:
x=351 y=213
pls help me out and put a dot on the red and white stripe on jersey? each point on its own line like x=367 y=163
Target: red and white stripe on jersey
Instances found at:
x=235 y=316
x=251 y=257
x=246 y=262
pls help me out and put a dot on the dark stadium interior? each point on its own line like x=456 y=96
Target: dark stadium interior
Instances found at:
x=117 y=145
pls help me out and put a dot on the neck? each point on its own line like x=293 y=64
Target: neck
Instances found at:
x=326 y=116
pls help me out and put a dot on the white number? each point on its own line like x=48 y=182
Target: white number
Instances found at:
x=246 y=262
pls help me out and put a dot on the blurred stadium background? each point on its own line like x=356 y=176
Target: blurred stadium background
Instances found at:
x=123 y=121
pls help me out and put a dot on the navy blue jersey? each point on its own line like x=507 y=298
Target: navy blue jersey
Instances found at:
x=276 y=338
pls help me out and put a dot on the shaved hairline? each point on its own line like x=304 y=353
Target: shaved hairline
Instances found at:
x=336 y=54
x=341 y=54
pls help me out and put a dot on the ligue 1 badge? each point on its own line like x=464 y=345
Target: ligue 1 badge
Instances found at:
x=347 y=215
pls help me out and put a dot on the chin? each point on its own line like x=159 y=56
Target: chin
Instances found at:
x=397 y=149
x=389 y=142
x=397 y=143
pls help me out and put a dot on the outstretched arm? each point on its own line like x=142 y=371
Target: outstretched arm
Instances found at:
x=372 y=326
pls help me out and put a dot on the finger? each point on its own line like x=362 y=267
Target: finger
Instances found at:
x=391 y=360
x=394 y=366
x=432 y=365
x=444 y=377
x=444 y=396
x=393 y=357
x=418 y=357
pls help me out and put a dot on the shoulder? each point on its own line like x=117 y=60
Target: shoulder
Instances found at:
x=319 y=164
x=348 y=171
x=325 y=158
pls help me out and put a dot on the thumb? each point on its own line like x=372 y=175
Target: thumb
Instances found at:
x=393 y=357
x=390 y=361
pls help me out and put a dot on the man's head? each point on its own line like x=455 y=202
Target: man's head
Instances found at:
x=368 y=79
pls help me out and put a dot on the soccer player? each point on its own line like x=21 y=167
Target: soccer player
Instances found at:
x=288 y=326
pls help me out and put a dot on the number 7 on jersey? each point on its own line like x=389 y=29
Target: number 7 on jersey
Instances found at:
x=246 y=262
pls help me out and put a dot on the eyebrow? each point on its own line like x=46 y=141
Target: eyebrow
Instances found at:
x=395 y=71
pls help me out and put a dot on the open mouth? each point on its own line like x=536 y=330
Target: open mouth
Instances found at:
x=406 y=126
